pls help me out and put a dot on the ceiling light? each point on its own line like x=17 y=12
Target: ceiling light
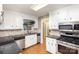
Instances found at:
x=38 y=6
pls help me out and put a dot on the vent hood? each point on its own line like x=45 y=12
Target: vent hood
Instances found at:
x=28 y=22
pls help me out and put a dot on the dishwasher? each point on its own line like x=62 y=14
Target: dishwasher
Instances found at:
x=38 y=38
x=20 y=40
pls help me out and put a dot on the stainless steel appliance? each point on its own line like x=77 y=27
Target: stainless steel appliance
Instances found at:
x=69 y=26
x=38 y=38
x=67 y=50
x=20 y=41
x=68 y=43
x=28 y=24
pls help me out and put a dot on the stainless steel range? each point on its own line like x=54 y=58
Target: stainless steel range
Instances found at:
x=68 y=43
x=69 y=39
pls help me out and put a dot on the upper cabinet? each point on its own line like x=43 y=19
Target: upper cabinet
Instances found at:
x=1 y=13
x=73 y=12
x=66 y=14
x=14 y=20
x=62 y=15
x=56 y=17
x=51 y=20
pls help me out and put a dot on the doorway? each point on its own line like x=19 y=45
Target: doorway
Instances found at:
x=44 y=29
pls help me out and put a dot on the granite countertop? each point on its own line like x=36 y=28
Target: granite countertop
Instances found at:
x=53 y=36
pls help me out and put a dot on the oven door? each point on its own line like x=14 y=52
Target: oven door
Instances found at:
x=66 y=50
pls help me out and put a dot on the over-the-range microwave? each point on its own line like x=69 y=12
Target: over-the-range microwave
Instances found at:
x=69 y=26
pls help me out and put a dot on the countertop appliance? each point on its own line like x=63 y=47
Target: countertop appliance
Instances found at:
x=69 y=38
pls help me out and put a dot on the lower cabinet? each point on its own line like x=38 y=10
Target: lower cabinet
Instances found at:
x=51 y=45
x=30 y=40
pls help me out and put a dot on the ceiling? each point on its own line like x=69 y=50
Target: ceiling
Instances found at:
x=26 y=8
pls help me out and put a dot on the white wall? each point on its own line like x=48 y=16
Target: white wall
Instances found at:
x=14 y=20
x=66 y=14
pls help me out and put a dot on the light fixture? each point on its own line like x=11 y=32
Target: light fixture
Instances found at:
x=38 y=6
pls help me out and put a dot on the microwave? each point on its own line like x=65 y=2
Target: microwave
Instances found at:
x=69 y=26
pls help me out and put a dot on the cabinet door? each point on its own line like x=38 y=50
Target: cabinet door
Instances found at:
x=51 y=45
x=56 y=17
x=51 y=20
x=33 y=39
x=74 y=13
x=47 y=44
x=27 y=41
x=63 y=15
x=30 y=40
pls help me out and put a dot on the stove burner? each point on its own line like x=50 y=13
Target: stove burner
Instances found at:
x=72 y=40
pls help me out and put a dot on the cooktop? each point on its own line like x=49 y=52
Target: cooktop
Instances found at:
x=73 y=40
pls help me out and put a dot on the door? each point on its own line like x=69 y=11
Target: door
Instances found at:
x=44 y=29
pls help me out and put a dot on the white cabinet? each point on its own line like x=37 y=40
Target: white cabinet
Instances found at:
x=53 y=21
x=70 y=13
x=74 y=12
x=66 y=14
x=63 y=15
x=51 y=18
x=30 y=40
x=56 y=17
x=51 y=45
x=1 y=10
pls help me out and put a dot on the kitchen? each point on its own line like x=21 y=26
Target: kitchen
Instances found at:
x=27 y=29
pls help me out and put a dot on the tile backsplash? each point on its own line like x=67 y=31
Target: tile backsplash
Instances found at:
x=54 y=32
